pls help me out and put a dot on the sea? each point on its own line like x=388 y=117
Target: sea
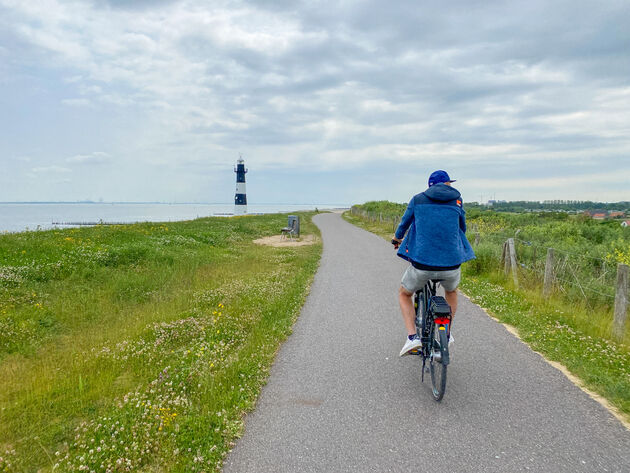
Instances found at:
x=19 y=217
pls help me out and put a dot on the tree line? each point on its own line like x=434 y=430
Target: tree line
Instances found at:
x=556 y=205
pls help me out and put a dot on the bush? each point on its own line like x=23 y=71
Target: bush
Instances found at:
x=486 y=260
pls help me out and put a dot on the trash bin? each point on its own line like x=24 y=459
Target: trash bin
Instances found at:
x=296 y=219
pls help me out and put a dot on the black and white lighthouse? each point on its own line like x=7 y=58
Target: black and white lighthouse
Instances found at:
x=240 y=199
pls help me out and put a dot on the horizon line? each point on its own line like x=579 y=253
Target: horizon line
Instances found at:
x=154 y=202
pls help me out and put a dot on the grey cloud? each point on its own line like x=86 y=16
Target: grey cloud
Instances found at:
x=77 y=102
x=54 y=169
x=134 y=4
x=98 y=157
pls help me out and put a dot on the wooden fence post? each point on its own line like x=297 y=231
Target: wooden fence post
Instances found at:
x=513 y=267
x=548 y=273
x=475 y=231
x=621 y=301
x=534 y=254
x=505 y=261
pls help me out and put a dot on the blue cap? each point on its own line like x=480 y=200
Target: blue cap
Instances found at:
x=439 y=176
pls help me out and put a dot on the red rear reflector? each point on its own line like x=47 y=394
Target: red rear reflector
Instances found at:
x=443 y=321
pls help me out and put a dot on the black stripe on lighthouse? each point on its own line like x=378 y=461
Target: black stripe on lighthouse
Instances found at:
x=240 y=172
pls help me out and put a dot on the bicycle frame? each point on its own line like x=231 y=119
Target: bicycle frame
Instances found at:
x=428 y=321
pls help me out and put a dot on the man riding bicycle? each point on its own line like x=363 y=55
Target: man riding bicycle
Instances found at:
x=436 y=246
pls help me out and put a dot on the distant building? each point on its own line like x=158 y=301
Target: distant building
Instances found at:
x=597 y=214
x=617 y=214
x=625 y=223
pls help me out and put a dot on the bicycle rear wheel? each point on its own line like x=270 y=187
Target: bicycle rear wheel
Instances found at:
x=436 y=366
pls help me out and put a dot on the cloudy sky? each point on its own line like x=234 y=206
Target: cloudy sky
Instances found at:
x=328 y=102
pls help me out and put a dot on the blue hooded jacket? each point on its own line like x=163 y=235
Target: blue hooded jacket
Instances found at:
x=437 y=225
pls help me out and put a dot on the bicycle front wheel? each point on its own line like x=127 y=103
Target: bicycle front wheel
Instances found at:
x=419 y=308
x=437 y=365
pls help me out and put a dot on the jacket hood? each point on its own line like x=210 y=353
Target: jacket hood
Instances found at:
x=442 y=193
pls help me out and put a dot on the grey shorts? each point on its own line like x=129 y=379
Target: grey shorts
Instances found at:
x=415 y=279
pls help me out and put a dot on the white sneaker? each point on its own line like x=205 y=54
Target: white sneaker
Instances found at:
x=410 y=345
x=451 y=340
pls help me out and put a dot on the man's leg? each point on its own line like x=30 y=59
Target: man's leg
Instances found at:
x=451 y=279
x=451 y=298
x=412 y=278
x=405 y=299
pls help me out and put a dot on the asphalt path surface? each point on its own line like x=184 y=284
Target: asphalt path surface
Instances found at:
x=339 y=398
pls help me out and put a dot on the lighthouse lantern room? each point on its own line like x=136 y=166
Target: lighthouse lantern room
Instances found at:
x=240 y=198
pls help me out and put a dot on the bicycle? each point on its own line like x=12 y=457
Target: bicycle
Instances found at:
x=433 y=326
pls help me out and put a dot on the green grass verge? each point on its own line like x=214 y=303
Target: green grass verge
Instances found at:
x=140 y=347
x=549 y=326
x=384 y=230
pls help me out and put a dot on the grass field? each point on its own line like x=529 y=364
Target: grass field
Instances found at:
x=569 y=333
x=140 y=347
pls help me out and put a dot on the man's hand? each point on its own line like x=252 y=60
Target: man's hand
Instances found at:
x=396 y=242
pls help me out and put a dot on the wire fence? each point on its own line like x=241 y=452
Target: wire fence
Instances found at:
x=381 y=217
x=587 y=274
x=598 y=281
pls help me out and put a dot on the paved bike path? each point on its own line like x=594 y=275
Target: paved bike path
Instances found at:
x=339 y=399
